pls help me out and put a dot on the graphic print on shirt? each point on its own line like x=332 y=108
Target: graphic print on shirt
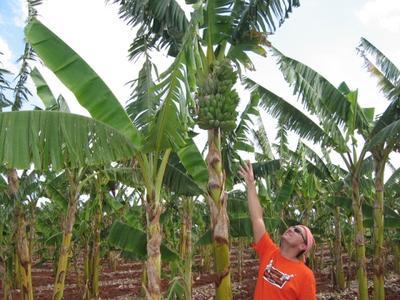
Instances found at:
x=276 y=277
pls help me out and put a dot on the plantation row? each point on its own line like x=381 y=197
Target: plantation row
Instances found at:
x=130 y=180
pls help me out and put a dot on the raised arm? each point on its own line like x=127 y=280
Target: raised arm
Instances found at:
x=255 y=209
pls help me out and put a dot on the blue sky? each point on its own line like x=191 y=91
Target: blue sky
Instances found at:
x=11 y=31
x=321 y=33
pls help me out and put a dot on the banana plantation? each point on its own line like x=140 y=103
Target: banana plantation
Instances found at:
x=125 y=204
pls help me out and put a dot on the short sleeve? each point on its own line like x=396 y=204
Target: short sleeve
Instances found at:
x=264 y=245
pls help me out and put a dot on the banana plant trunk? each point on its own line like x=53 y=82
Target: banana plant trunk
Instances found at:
x=153 y=263
x=205 y=253
x=359 y=240
x=153 y=174
x=59 y=283
x=217 y=200
x=95 y=259
x=240 y=259
x=340 y=277
x=397 y=257
x=186 y=245
x=306 y=221
x=379 y=257
x=24 y=259
x=86 y=271
x=24 y=262
x=6 y=282
x=16 y=281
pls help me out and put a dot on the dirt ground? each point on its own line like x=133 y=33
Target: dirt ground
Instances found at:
x=125 y=281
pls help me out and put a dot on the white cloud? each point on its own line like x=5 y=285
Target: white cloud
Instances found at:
x=20 y=12
x=95 y=32
x=382 y=13
x=6 y=59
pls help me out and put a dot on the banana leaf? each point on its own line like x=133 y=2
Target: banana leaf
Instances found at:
x=56 y=140
x=193 y=162
x=178 y=181
x=89 y=89
x=42 y=89
x=133 y=242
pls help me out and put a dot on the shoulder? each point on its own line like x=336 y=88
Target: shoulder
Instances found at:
x=265 y=244
x=307 y=273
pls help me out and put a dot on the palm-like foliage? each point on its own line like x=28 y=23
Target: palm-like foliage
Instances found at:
x=45 y=94
x=80 y=78
x=4 y=86
x=163 y=23
x=160 y=24
x=294 y=119
x=384 y=138
x=383 y=69
x=175 y=85
x=21 y=92
x=158 y=138
x=58 y=140
x=240 y=23
x=319 y=96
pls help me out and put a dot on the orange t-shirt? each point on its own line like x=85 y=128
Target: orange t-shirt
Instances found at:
x=280 y=278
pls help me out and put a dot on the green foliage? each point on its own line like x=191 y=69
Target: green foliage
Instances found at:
x=293 y=118
x=382 y=68
x=390 y=132
x=318 y=95
x=89 y=89
x=133 y=242
x=42 y=89
x=4 y=86
x=161 y=24
x=58 y=140
x=193 y=162
x=178 y=181
x=144 y=102
x=177 y=289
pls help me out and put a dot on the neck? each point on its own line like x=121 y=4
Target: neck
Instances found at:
x=290 y=253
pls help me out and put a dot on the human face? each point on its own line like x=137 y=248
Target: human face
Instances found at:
x=291 y=233
x=299 y=231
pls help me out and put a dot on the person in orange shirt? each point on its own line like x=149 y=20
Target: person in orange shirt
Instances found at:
x=282 y=274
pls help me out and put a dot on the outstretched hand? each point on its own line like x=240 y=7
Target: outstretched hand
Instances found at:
x=246 y=172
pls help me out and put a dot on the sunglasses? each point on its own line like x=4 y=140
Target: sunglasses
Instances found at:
x=298 y=231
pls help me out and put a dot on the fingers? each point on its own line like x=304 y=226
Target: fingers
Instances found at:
x=242 y=172
x=246 y=170
x=248 y=165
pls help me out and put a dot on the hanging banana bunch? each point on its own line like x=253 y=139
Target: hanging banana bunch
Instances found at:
x=217 y=100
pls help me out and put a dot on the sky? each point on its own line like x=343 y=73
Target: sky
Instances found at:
x=320 y=33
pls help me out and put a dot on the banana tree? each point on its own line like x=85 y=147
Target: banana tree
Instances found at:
x=21 y=95
x=6 y=241
x=392 y=193
x=156 y=138
x=186 y=188
x=65 y=141
x=229 y=29
x=5 y=195
x=388 y=76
